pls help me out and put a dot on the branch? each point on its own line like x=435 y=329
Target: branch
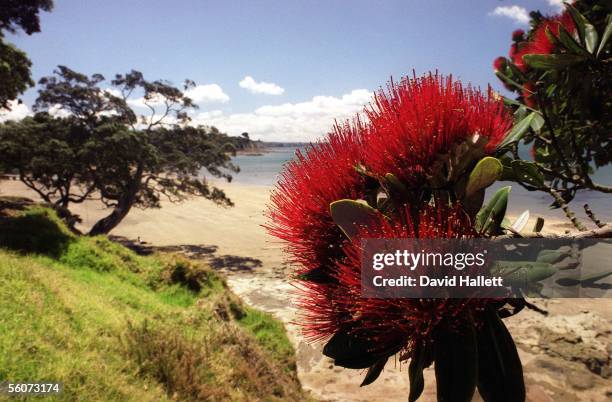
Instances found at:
x=588 y=184
x=592 y=216
x=568 y=212
x=601 y=233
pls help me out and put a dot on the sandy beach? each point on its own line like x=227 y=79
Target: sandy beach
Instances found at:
x=566 y=354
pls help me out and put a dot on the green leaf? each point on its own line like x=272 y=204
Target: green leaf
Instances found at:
x=537 y=123
x=528 y=172
x=415 y=372
x=590 y=279
x=490 y=217
x=550 y=256
x=395 y=188
x=539 y=225
x=500 y=373
x=579 y=20
x=350 y=351
x=518 y=130
x=507 y=172
x=552 y=61
x=591 y=38
x=606 y=35
x=509 y=80
x=585 y=282
x=350 y=215
x=570 y=44
x=486 y=171
x=374 y=371
x=511 y=102
x=456 y=364
x=522 y=273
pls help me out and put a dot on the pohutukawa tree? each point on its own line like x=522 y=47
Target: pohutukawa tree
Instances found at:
x=561 y=70
x=103 y=149
x=417 y=167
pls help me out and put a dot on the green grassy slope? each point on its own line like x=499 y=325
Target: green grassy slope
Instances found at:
x=112 y=325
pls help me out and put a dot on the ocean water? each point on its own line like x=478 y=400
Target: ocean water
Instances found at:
x=263 y=170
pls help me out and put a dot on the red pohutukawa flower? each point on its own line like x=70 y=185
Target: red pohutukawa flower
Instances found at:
x=417 y=120
x=314 y=179
x=539 y=41
x=386 y=324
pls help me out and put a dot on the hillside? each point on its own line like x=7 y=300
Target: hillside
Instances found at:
x=112 y=325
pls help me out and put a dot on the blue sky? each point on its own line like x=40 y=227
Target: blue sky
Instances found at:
x=321 y=59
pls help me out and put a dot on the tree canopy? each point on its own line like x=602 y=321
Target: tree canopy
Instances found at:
x=103 y=149
x=14 y=63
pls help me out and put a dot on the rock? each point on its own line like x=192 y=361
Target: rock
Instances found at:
x=580 y=381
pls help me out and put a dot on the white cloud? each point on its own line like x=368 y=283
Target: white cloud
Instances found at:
x=58 y=111
x=515 y=13
x=18 y=111
x=303 y=121
x=268 y=88
x=207 y=93
x=557 y=4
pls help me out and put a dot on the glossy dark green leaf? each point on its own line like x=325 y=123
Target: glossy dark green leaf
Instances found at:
x=418 y=363
x=569 y=43
x=591 y=38
x=537 y=123
x=509 y=80
x=518 y=130
x=485 y=173
x=606 y=35
x=528 y=172
x=490 y=217
x=552 y=61
x=579 y=20
x=350 y=215
x=456 y=365
x=500 y=373
x=353 y=352
x=349 y=351
x=374 y=371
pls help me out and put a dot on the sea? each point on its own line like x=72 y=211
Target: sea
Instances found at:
x=264 y=169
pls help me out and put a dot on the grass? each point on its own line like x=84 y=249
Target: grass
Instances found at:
x=114 y=326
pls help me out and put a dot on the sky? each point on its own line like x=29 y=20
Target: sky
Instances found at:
x=280 y=70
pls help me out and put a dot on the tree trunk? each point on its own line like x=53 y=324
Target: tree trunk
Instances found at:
x=124 y=204
x=108 y=223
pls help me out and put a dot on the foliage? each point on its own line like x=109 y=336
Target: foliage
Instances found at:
x=50 y=156
x=103 y=150
x=561 y=71
x=105 y=322
x=14 y=64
